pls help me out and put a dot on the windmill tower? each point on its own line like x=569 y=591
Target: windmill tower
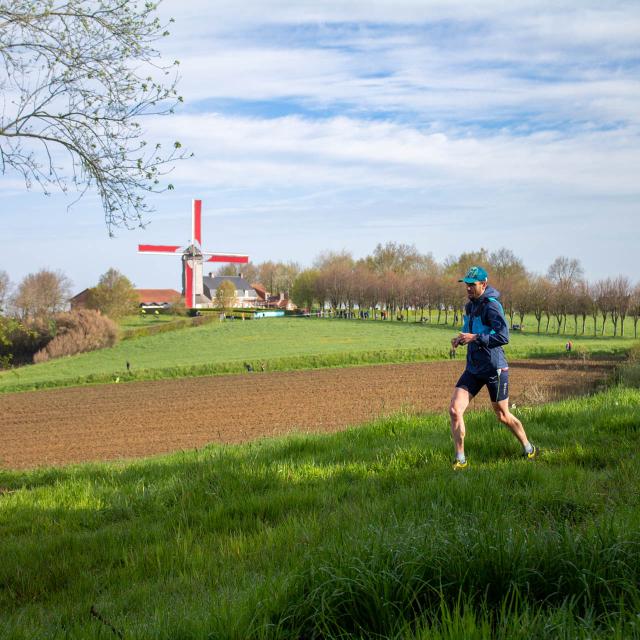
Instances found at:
x=193 y=259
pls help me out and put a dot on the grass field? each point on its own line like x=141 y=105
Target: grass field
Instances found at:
x=140 y=320
x=363 y=534
x=279 y=344
x=529 y=322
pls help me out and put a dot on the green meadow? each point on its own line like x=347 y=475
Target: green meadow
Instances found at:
x=276 y=344
x=139 y=320
x=366 y=533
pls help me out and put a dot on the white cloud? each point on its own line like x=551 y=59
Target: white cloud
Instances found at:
x=226 y=15
x=544 y=62
x=260 y=73
x=296 y=152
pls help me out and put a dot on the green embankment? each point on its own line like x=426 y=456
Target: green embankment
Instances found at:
x=278 y=344
x=362 y=534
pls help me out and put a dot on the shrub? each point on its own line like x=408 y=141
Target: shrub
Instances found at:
x=178 y=309
x=77 y=332
x=19 y=340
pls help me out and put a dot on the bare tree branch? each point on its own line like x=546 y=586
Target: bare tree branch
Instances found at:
x=76 y=76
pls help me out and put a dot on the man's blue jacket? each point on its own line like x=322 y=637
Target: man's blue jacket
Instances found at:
x=485 y=318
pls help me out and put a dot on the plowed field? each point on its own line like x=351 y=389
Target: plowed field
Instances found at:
x=106 y=422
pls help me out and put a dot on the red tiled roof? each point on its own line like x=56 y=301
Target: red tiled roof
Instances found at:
x=260 y=290
x=159 y=296
x=279 y=302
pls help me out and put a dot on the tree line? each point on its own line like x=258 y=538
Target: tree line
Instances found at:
x=46 y=292
x=35 y=324
x=396 y=279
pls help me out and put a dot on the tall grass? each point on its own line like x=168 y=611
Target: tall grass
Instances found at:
x=362 y=534
x=628 y=373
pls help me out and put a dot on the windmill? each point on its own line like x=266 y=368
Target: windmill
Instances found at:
x=193 y=258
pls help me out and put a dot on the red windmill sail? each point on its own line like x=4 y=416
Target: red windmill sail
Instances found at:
x=193 y=257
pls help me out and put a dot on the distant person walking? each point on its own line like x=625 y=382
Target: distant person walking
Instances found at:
x=568 y=346
x=484 y=332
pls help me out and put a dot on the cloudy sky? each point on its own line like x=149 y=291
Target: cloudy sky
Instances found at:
x=329 y=125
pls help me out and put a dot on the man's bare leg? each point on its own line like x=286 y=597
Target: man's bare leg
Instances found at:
x=459 y=403
x=511 y=422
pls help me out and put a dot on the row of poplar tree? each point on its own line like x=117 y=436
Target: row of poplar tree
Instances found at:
x=397 y=278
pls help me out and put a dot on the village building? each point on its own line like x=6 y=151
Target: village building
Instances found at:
x=149 y=299
x=262 y=293
x=280 y=301
x=268 y=301
x=157 y=299
x=246 y=295
x=79 y=301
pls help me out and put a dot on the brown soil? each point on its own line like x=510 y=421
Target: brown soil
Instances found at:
x=106 y=422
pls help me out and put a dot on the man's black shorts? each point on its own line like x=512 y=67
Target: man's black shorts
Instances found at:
x=497 y=384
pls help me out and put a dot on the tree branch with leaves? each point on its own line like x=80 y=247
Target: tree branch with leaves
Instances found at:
x=76 y=76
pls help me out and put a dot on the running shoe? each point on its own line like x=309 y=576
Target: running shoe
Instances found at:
x=457 y=465
x=534 y=454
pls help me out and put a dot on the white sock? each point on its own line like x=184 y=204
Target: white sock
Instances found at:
x=528 y=448
x=460 y=458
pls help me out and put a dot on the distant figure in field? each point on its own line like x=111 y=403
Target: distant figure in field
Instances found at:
x=568 y=346
x=248 y=367
x=128 y=366
x=452 y=353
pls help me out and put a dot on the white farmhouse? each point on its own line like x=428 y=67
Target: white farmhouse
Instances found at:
x=246 y=295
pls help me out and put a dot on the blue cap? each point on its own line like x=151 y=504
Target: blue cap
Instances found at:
x=475 y=274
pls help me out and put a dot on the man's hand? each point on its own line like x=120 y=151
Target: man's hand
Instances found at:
x=464 y=338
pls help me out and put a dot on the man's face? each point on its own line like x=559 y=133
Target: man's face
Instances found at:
x=475 y=290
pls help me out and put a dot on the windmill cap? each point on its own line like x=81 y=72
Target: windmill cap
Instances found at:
x=475 y=274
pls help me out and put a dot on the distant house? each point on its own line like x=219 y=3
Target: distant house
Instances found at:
x=79 y=301
x=263 y=294
x=147 y=298
x=246 y=295
x=157 y=298
x=280 y=302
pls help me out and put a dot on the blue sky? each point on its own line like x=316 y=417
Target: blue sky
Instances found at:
x=338 y=125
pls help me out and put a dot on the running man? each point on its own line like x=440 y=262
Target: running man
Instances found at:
x=484 y=332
